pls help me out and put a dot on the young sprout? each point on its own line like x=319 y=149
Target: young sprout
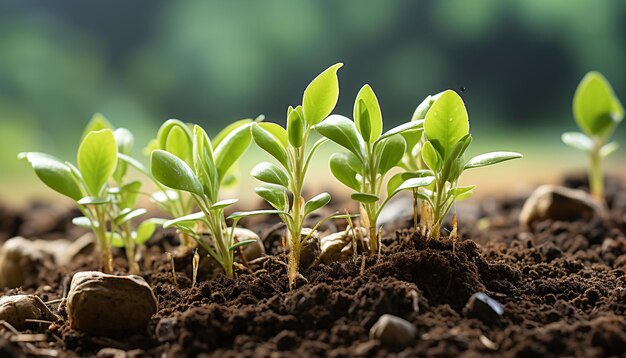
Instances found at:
x=447 y=137
x=104 y=196
x=86 y=184
x=202 y=177
x=289 y=148
x=371 y=155
x=597 y=112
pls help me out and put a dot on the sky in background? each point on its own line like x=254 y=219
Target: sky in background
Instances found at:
x=211 y=62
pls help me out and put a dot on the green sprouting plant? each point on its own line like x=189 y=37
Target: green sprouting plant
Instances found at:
x=202 y=176
x=447 y=137
x=597 y=112
x=98 y=185
x=371 y=155
x=289 y=148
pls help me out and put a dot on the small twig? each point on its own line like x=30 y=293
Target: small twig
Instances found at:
x=196 y=263
x=38 y=321
x=363 y=264
x=173 y=269
x=52 y=302
x=26 y=338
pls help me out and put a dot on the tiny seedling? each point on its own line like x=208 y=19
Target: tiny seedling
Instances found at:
x=447 y=137
x=98 y=185
x=371 y=155
x=202 y=176
x=289 y=148
x=597 y=112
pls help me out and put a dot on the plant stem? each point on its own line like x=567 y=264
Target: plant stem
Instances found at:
x=129 y=247
x=596 y=185
x=103 y=243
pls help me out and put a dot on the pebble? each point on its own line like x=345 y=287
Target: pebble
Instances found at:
x=559 y=203
x=484 y=308
x=338 y=246
x=102 y=304
x=393 y=332
x=250 y=251
x=16 y=309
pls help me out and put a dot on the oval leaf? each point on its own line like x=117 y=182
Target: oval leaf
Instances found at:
x=93 y=200
x=270 y=144
x=185 y=220
x=342 y=131
x=391 y=151
x=146 y=229
x=321 y=95
x=54 y=173
x=228 y=129
x=82 y=221
x=431 y=157
x=364 y=198
x=174 y=173
x=491 y=158
x=97 y=159
x=129 y=215
x=597 y=110
x=96 y=123
x=295 y=127
x=578 y=141
x=367 y=114
x=231 y=148
x=275 y=196
x=223 y=204
x=446 y=122
x=270 y=173
x=316 y=202
x=341 y=169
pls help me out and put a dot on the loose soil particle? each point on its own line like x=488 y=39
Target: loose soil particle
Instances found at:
x=562 y=285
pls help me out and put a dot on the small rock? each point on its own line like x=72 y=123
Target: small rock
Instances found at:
x=21 y=259
x=338 y=246
x=484 y=308
x=393 y=332
x=18 y=308
x=559 y=203
x=119 y=353
x=251 y=251
x=102 y=304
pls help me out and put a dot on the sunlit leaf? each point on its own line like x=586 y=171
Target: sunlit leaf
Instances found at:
x=446 y=123
x=174 y=173
x=491 y=158
x=54 y=173
x=316 y=202
x=597 y=110
x=97 y=159
x=321 y=95
x=270 y=173
x=367 y=115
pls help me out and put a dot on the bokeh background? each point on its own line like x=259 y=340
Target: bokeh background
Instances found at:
x=141 y=62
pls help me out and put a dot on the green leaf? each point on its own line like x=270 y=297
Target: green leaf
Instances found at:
x=578 y=141
x=367 y=115
x=240 y=243
x=321 y=95
x=93 y=200
x=97 y=159
x=462 y=192
x=245 y=214
x=270 y=173
x=185 y=220
x=316 y=202
x=413 y=183
x=178 y=143
x=270 y=144
x=124 y=139
x=423 y=108
x=414 y=125
x=364 y=198
x=223 y=204
x=146 y=229
x=342 y=131
x=231 y=148
x=446 y=123
x=128 y=215
x=229 y=128
x=204 y=163
x=341 y=168
x=82 y=221
x=165 y=130
x=394 y=182
x=275 y=196
x=97 y=122
x=597 y=110
x=608 y=149
x=129 y=193
x=431 y=157
x=54 y=173
x=412 y=137
x=277 y=131
x=295 y=127
x=491 y=158
x=174 y=173
x=391 y=151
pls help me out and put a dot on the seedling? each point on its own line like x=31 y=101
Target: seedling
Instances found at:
x=202 y=178
x=98 y=185
x=597 y=112
x=371 y=155
x=447 y=137
x=289 y=148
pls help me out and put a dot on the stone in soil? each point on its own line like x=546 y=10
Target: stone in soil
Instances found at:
x=484 y=308
x=17 y=309
x=102 y=304
x=559 y=203
x=393 y=332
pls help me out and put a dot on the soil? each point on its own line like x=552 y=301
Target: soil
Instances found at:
x=562 y=285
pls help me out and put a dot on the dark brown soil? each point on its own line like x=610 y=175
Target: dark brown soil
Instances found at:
x=563 y=286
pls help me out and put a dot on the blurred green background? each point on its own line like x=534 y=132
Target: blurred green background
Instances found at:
x=211 y=62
